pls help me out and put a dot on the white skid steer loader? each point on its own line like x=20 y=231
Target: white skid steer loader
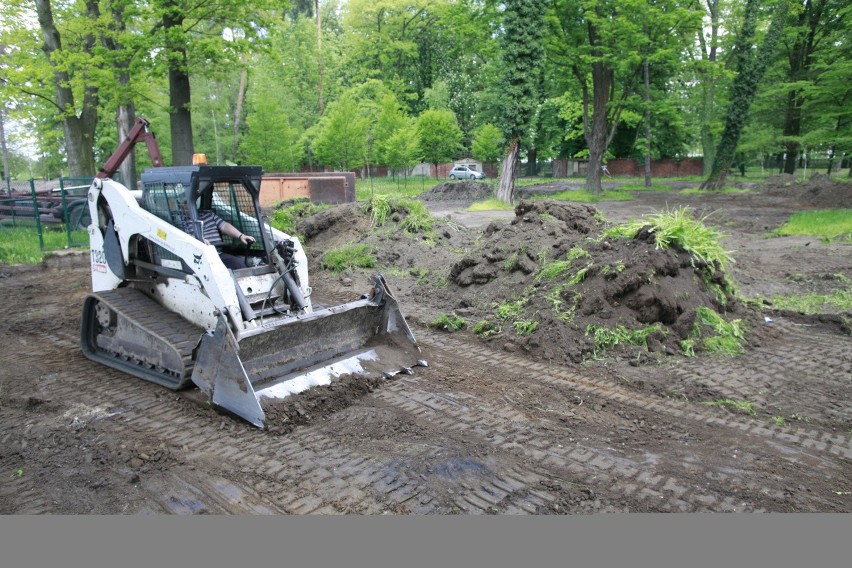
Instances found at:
x=165 y=308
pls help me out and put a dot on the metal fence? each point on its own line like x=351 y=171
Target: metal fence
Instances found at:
x=56 y=206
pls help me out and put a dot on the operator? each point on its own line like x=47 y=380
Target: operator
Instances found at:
x=213 y=225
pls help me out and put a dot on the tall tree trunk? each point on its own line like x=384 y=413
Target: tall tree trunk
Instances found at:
x=647 y=122
x=506 y=187
x=708 y=86
x=180 y=117
x=750 y=70
x=532 y=161
x=125 y=115
x=79 y=131
x=596 y=136
x=320 y=101
x=238 y=115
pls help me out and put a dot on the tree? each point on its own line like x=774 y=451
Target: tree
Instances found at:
x=78 y=124
x=403 y=149
x=523 y=55
x=487 y=143
x=751 y=65
x=341 y=139
x=439 y=136
x=271 y=140
x=812 y=30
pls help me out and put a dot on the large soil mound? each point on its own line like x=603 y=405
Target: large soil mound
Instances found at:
x=561 y=280
x=463 y=190
x=819 y=191
x=543 y=282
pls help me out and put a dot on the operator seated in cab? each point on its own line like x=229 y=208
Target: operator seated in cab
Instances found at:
x=214 y=228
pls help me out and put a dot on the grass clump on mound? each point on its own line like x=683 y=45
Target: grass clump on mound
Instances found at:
x=350 y=255
x=414 y=216
x=679 y=229
x=713 y=334
x=286 y=218
x=449 y=322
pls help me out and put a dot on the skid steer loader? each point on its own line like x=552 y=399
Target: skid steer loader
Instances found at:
x=165 y=308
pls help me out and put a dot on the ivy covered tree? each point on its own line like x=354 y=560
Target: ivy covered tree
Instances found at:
x=522 y=46
x=751 y=64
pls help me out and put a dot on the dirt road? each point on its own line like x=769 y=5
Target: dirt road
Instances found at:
x=482 y=430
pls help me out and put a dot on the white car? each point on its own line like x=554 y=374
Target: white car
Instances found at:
x=465 y=172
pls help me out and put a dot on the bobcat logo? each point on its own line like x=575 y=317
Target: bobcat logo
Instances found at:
x=197 y=258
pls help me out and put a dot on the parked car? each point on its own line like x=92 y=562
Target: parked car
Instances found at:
x=465 y=172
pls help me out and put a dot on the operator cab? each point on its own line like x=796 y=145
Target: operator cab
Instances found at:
x=176 y=195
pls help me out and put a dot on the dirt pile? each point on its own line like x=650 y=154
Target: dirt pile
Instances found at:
x=819 y=191
x=463 y=190
x=543 y=283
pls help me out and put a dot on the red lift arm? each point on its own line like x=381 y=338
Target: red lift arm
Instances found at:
x=138 y=133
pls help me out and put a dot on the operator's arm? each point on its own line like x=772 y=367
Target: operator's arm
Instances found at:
x=228 y=229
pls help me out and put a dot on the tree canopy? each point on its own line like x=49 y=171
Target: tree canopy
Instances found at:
x=350 y=83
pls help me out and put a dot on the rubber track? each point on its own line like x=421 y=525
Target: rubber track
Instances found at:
x=158 y=321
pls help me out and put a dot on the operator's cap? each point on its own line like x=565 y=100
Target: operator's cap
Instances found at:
x=199 y=159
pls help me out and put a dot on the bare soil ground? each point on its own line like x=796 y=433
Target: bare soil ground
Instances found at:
x=506 y=425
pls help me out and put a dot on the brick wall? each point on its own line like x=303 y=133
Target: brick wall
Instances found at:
x=659 y=168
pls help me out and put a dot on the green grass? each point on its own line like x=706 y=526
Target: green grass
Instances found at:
x=508 y=309
x=286 y=218
x=449 y=322
x=490 y=205
x=643 y=187
x=414 y=214
x=712 y=333
x=410 y=187
x=606 y=338
x=814 y=303
x=727 y=189
x=679 y=229
x=348 y=256
x=485 y=328
x=19 y=245
x=830 y=223
x=742 y=406
x=524 y=327
x=583 y=196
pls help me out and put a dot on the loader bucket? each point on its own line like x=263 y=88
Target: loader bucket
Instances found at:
x=365 y=337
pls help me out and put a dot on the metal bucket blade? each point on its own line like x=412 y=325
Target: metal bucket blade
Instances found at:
x=289 y=356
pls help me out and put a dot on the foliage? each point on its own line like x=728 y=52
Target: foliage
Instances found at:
x=439 y=135
x=415 y=216
x=712 y=333
x=286 y=218
x=350 y=255
x=828 y=223
x=20 y=245
x=449 y=322
x=485 y=328
x=487 y=143
x=585 y=197
x=814 y=303
x=490 y=205
x=524 y=327
x=678 y=229
x=606 y=338
x=742 y=406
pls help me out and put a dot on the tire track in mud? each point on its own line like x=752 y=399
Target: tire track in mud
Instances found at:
x=836 y=444
x=515 y=467
x=779 y=378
